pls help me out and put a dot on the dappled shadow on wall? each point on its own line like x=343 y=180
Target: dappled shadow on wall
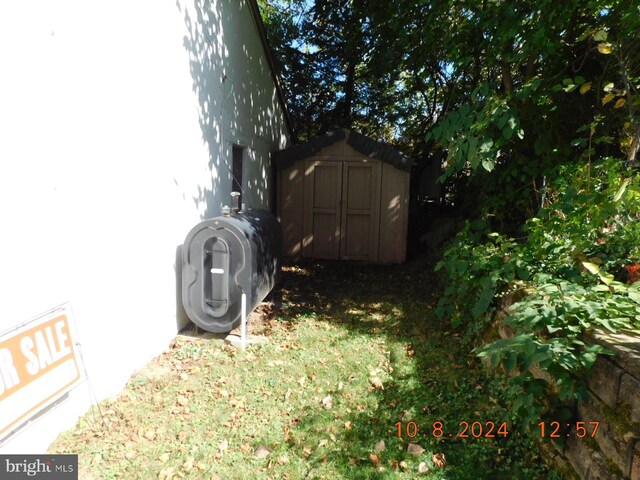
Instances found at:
x=237 y=100
x=204 y=43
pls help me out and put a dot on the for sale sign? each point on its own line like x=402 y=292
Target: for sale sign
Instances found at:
x=38 y=364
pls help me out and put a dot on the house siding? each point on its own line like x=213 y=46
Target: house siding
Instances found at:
x=117 y=124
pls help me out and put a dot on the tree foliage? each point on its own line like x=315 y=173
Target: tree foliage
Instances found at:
x=515 y=89
x=534 y=105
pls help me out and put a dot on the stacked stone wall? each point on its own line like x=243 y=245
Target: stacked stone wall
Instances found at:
x=613 y=453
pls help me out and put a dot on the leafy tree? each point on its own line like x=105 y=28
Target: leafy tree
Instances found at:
x=509 y=91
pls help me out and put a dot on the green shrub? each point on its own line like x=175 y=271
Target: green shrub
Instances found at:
x=577 y=254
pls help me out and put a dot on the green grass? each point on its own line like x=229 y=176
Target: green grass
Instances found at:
x=364 y=335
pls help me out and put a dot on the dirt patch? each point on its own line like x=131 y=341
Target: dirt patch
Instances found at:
x=261 y=321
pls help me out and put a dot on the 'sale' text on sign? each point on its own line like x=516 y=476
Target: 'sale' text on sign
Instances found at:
x=38 y=364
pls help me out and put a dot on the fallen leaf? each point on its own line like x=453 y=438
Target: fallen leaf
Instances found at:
x=404 y=465
x=164 y=457
x=307 y=451
x=374 y=459
x=415 y=449
x=288 y=394
x=379 y=447
x=439 y=460
x=348 y=425
x=327 y=402
x=224 y=444
x=423 y=468
x=261 y=452
x=283 y=460
x=323 y=443
x=376 y=383
x=340 y=386
x=245 y=447
x=166 y=474
x=188 y=464
x=182 y=400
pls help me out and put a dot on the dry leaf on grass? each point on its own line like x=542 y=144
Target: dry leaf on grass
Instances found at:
x=374 y=459
x=261 y=452
x=376 y=383
x=166 y=474
x=423 y=468
x=415 y=449
x=379 y=447
x=327 y=402
x=348 y=425
x=188 y=464
x=439 y=460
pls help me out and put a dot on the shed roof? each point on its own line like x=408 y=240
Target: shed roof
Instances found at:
x=361 y=143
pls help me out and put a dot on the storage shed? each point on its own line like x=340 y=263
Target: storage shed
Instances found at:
x=344 y=196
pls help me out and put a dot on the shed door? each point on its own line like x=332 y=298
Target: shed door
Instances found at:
x=360 y=200
x=323 y=188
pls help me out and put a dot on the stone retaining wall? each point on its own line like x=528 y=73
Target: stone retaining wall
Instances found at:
x=614 y=388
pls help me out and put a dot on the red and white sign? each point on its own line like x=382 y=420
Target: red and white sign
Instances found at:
x=39 y=363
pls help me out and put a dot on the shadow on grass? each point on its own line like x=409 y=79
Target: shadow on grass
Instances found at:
x=433 y=378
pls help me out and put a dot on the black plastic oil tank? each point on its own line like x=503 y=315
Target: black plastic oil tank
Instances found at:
x=224 y=257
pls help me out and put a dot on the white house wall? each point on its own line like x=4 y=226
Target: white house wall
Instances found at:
x=117 y=122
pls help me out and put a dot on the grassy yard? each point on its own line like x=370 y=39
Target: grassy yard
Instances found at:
x=355 y=355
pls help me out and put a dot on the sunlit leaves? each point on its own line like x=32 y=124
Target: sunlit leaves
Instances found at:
x=619 y=103
x=600 y=36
